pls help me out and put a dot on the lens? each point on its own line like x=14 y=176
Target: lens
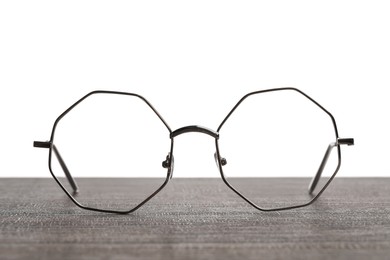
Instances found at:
x=113 y=146
x=273 y=144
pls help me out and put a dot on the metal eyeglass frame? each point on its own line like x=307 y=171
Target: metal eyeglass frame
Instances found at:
x=168 y=163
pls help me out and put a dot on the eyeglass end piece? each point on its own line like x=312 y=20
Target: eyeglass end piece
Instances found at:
x=40 y=144
x=347 y=141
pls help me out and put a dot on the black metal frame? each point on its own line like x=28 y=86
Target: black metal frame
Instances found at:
x=169 y=162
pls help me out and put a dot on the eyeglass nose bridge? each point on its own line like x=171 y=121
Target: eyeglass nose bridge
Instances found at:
x=188 y=129
x=195 y=128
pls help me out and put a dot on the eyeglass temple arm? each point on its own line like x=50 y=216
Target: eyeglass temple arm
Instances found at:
x=316 y=178
x=71 y=180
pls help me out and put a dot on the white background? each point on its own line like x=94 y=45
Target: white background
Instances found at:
x=193 y=60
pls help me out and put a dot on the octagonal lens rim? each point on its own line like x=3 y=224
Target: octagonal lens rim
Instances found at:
x=169 y=169
x=220 y=166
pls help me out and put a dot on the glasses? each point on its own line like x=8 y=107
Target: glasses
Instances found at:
x=277 y=149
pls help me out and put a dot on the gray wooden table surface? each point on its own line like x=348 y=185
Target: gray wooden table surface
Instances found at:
x=196 y=219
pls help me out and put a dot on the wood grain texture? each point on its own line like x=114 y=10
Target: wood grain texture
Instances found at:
x=196 y=219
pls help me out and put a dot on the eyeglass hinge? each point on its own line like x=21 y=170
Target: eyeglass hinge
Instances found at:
x=41 y=144
x=347 y=141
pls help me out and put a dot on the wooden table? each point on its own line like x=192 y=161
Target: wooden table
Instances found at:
x=196 y=219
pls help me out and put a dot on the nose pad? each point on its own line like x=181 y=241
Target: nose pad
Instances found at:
x=169 y=163
x=223 y=160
